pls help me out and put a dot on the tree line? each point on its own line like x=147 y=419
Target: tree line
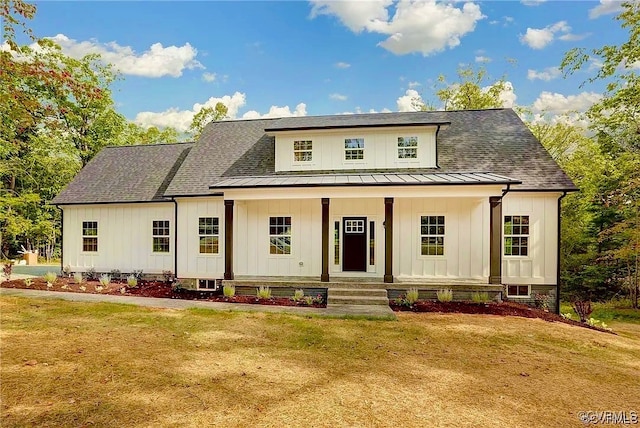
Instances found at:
x=58 y=112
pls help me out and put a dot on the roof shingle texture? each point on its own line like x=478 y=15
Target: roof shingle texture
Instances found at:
x=125 y=174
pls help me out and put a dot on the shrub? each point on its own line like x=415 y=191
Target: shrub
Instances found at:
x=137 y=274
x=50 y=277
x=132 y=281
x=412 y=296
x=445 y=295
x=176 y=286
x=480 y=297
x=263 y=292
x=27 y=282
x=77 y=278
x=168 y=276
x=298 y=295
x=91 y=274
x=115 y=274
x=567 y=316
x=67 y=271
x=229 y=290
x=541 y=301
x=105 y=279
x=7 y=268
x=582 y=308
x=310 y=300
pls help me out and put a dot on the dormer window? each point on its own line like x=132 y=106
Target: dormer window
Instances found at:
x=407 y=147
x=354 y=149
x=302 y=150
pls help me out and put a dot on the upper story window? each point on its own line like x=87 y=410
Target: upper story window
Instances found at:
x=209 y=234
x=516 y=235
x=280 y=235
x=407 y=147
x=353 y=148
x=90 y=236
x=432 y=235
x=302 y=150
x=160 y=234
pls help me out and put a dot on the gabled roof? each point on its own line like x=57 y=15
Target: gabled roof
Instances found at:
x=125 y=174
x=491 y=141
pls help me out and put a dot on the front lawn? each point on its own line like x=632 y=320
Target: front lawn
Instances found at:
x=79 y=364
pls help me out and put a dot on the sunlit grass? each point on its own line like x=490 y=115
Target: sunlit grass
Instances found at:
x=80 y=364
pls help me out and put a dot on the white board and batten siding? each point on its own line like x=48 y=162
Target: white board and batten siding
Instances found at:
x=380 y=149
x=125 y=237
x=540 y=265
x=252 y=244
x=466 y=239
x=191 y=263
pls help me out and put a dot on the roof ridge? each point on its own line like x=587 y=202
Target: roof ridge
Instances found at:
x=149 y=145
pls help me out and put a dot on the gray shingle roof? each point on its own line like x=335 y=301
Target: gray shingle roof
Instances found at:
x=125 y=174
x=396 y=179
x=368 y=120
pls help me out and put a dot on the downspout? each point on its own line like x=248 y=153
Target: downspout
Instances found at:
x=437 y=131
x=564 y=193
x=505 y=191
x=175 y=238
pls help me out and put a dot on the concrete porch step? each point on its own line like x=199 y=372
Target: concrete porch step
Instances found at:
x=357 y=300
x=357 y=292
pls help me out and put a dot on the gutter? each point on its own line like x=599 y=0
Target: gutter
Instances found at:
x=507 y=190
x=558 y=255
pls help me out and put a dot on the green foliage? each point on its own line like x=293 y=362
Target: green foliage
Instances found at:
x=132 y=281
x=298 y=295
x=7 y=268
x=263 y=292
x=229 y=290
x=444 y=295
x=541 y=301
x=471 y=91
x=412 y=296
x=28 y=282
x=480 y=297
x=77 y=278
x=50 y=277
x=105 y=279
x=204 y=116
x=92 y=275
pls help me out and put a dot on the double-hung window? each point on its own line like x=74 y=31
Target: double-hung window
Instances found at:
x=516 y=235
x=90 y=236
x=407 y=147
x=209 y=235
x=354 y=149
x=432 y=235
x=279 y=235
x=160 y=235
x=303 y=151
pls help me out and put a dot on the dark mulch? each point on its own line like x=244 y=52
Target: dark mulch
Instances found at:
x=493 y=308
x=157 y=289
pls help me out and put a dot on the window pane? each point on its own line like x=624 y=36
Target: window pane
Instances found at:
x=208 y=245
x=90 y=244
x=160 y=245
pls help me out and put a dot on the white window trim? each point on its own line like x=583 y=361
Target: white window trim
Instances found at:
x=417 y=147
x=294 y=151
x=220 y=250
x=528 y=296
x=354 y=161
x=444 y=248
x=97 y=236
x=529 y=236
x=269 y=235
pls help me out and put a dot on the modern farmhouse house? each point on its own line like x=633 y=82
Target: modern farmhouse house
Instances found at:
x=467 y=200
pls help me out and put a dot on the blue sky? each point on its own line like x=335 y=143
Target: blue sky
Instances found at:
x=326 y=57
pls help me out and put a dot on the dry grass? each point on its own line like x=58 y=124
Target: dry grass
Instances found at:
x=79 y=364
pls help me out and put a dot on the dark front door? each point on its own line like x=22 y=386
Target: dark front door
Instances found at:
x=354 y=247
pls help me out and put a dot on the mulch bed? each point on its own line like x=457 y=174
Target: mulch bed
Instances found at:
x=150 y=289
x=493 y=308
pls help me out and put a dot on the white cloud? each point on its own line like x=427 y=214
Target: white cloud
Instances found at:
x=413 y=85
x=507 y=96
x=181 y=119
x=573 y=37
x=532 y=2
x=416 y=26
x=275 y=111
x=157 y=61
x=547 y=74
x=409 y=100
x=538 y=38
x=209 y=77
x=483 y=59
x=342 y=65
x=338 y=97
x=558 y=104
x=605 y=7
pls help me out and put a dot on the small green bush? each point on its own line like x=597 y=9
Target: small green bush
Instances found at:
x=67 y=271
x=77 y=278
x=229 y=290
x=444 y=295
x=132 y=281
x=263 y=292
x=298 y=295
x=480 y=297
x=105 y=279
x=50 y=277
x=27 y=282
x=91 y=274
x=412 y=296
